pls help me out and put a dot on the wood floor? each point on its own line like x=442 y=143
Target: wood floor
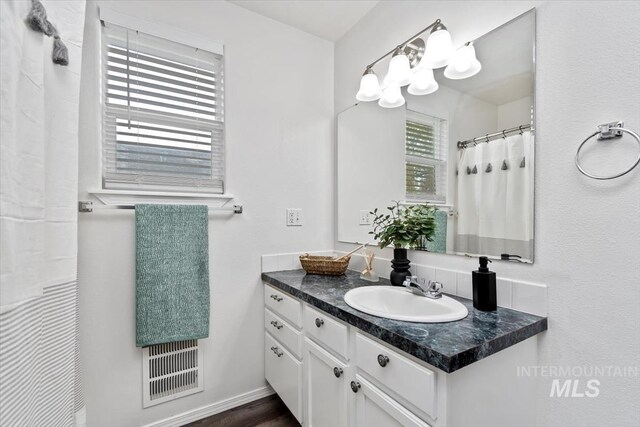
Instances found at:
x=267 y=412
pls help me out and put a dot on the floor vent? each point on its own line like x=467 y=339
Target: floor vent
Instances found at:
x=171 y=371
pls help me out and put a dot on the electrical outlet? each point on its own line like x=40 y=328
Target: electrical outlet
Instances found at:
x=294 y=217
x=365 y=217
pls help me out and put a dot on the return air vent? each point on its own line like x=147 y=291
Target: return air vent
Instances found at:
x=170 y=371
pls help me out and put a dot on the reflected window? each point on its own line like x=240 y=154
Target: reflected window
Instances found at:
x=426 y=158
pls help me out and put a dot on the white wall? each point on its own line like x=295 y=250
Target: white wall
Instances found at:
x=279 y=112
x=587 y=232
x=514 y=113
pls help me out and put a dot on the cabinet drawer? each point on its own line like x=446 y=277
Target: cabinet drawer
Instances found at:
x=412 y=382
x=326 y=330
x=283 y=305
x=284 y=374
x=283 y=332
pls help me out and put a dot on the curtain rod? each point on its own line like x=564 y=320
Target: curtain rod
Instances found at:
x=492 y=136
x=87 y=206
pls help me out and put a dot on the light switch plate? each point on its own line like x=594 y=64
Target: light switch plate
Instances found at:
x=365 y=217
x=294 y=217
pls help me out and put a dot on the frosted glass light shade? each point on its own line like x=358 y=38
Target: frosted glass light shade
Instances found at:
x=463 y=64
x=423 y=83
x=391 y=98
x=438 y=50
x=369 y=88
x=399 y=71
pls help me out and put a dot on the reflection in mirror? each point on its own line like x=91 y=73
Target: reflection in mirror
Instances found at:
x=467 y=148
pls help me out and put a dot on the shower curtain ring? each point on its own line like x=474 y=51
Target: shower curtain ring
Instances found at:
x=504 y=135
x=487 y=137
x=520 y=127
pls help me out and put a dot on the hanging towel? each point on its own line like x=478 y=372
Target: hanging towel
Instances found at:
x=172 y=273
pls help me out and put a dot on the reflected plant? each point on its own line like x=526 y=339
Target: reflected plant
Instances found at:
x=404 y=226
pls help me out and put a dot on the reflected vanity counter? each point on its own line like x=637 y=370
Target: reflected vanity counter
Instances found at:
x=336 y=366
x=447 y=346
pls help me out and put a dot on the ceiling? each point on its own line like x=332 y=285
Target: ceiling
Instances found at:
x=328 y=19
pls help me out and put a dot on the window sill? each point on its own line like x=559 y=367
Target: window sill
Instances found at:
x=129 y=197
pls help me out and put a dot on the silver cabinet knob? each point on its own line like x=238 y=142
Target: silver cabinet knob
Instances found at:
x=355 y=386
x=337 y=372
x=276 y=324
x=383 y=360
x=319 y=322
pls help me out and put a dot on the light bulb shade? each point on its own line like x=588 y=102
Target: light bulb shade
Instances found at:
x=391 y=97
x=463 y=64
x=369 y=88
x=399 y=73
x=423 y=83
x=438 y=50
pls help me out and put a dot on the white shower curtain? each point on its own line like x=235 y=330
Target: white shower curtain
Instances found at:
x=39 y=364
x=495 y=197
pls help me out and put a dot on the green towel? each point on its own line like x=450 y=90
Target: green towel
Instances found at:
x=172 y=273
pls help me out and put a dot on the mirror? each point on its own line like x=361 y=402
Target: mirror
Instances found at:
x=467 y=148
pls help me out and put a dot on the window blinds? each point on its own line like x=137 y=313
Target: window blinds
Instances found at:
x=163 y=115
x=426 y=158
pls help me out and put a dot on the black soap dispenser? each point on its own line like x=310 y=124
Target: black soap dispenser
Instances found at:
x=484 y=287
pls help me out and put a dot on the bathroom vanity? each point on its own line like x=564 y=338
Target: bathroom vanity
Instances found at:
x=335 y=366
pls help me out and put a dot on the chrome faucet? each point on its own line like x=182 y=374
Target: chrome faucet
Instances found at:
x=430 y=289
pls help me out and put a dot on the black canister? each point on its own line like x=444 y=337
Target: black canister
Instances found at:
x=484 y=287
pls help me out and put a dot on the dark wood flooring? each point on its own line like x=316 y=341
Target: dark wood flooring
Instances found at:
x=267 y=412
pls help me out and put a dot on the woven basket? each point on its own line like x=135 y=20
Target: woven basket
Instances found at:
x=324 y=265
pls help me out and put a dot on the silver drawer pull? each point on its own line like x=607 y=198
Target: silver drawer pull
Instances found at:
x=383 y=360
x=276 y=324
x=337 y=372
x=276 y=297
x=319 y=322
x=276 y=351
x=355 y=386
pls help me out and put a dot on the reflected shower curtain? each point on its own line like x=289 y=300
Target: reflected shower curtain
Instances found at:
x=495 y=197
x=39 y=364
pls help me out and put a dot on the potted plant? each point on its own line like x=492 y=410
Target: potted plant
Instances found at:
x=403 y=227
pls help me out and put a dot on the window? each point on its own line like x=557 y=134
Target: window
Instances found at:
x=163 y=114
x=426 y=158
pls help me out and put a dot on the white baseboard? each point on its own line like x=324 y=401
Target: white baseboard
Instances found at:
x=214 y=408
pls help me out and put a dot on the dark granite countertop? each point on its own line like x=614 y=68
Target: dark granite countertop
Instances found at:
x=447 y=346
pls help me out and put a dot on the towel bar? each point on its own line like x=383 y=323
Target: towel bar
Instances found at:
x=87 y=206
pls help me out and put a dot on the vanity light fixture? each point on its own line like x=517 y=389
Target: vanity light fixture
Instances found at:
x=422 y=82
x=439 y=48
x=463 y=64
x=412 y=63
x=369 y=87
x=392 y=97
x=399 y=69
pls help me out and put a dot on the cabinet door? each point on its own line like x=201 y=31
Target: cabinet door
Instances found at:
x=284 y=373
x=326 y=388
x=375 y=408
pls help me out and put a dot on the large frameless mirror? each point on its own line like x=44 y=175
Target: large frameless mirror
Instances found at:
x=467 y=149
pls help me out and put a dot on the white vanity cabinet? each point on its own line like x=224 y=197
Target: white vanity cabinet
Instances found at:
x=326 y=388
x=283 y=348
x=332 y=374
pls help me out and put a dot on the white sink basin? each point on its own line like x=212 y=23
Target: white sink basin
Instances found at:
x=399 y=303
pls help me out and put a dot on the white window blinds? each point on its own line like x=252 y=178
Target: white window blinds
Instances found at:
x=163 y=115
x=426 y=158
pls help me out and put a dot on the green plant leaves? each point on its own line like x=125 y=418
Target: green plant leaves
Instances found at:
x=404 y=226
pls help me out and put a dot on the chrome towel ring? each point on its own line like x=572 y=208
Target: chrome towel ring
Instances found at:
x=608 y=131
